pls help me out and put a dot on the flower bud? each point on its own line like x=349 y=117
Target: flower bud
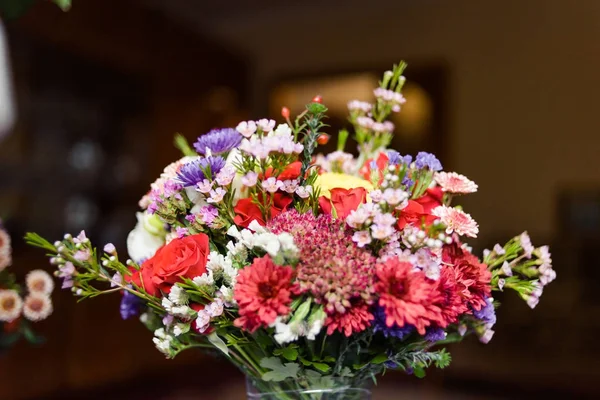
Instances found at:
x=285 y=112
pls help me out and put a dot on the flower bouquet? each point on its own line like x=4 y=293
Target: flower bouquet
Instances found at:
x=311 y=273
x=16 y=313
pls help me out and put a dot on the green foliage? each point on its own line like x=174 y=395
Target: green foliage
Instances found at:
x=65 y=5
x=12 y=9
x=290 y=352
x=279 y=371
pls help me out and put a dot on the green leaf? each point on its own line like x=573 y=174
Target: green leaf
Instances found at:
x=279 y=371
x=329 y=359
x=321 y=367
x=65 y=5
x=419 y=372
x=182 y=144
x=216 y=341
x=380 y=359
x=305 y=362
x=290 y=354
x=316 y=108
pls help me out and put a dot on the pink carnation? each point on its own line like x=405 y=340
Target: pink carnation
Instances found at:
x=452 y=182
x=456 y=221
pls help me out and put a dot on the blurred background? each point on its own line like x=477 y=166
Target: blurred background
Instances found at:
x=504 y=92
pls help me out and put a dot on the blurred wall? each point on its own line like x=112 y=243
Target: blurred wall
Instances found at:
x=521 y=99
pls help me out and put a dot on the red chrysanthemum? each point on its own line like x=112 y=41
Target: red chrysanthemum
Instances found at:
x=472 y=277
x=354 y=320
x=450 y=302
x=263 y=292
x=408 y=297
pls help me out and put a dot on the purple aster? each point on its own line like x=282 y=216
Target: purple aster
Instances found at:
x=428 y=160
x=394 y=158
x=487 y=313
x=435 y=334
x=195 y=171
x=379 y=325
x=408 y=183
x=131 y=305
x=208 y=214
x=407 y=159
x=218 y=141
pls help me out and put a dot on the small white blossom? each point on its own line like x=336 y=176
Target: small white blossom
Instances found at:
x=526 y=244
x=376 y=195
x=250 y=179
x=206 y=279
x=266 y=125
x=290 y=185
x=246 y=128
x=271 y=185
x=178 y=295
x=499 y=250
x=226 y=175
x=202 y=321
x=304 y=191
x=362 y=238
x=215 y=308
x=506 y=269
x=381 y=231
x=180 y=329
x=216 y=195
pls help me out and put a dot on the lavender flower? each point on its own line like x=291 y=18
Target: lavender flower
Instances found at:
x=428 y=160
x=379 y=325
x=435 y=334
x=193 y=172
x=218 y=141
x=130 y=305
x=487 y=313
x=394 y=158
x=407 y=182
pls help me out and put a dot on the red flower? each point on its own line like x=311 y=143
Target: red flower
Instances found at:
x=246 y=210
x=292 y=171
x=450 y=302
x=414 y=215
x=199 y=307
x=382 y=163
x=472 y=277
x=181 y=258
x=408 y=297
x=343 y=200
x=431 y=199
x=263 y=292
x=354 y=320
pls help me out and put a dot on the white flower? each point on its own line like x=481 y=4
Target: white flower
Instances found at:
x=394 y=196
x=216 y=195
x=304 y=191
x=381 y=231
x=39 y=281
x=376 y=195
x=271 y=185
x=290 y=185
x=204 y=187
x=180 y=329
x=202 y=321
x=10 y=305
x=163 y=345
x=250 y=179
x=182 y=311
x=499 y=250
x=217 y=261
x=362 y=238
x=506 y=269
x=285 y=333
x=385 y=219
x=268 y=242
x=110 y=248
x=246 y=128
x=526 y=244
x=167 y=304
x=215 y=308
x=146 y=238
x=206 y=279
x=255 y=227
x=196 y=196
x=37 y=307
x=357 y=217
x=544 y=255
x=226 y=294
x=178 y=295
x=236 y=250
x=226 y=175
x=533 y=301
x=287 y=242
x=501 y=283
x=266 y=125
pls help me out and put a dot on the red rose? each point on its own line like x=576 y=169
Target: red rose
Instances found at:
x=431 y=199
x=181 y=258
x=414 y=214
x=246 y=210
x=382 y=162
x=343 y=200
x=292 y=171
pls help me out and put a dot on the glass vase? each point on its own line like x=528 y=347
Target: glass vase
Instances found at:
x=297 y=389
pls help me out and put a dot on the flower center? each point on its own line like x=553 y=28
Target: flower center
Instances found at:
x=8 y=304
x=265 y=289
x=36 y=305
x=39 y=285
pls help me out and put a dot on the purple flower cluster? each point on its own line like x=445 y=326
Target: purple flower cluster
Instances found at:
x=195 y=171
x=379 y=325
x=218 y=141
x=428 y=160
x=394 y=158
x=131 y=305
x=435 y=334
x=487 y=314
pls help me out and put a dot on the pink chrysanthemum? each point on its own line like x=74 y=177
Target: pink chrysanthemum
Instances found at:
x=456 y=221
x=263 y=292
x=332 y=268
x=407 y=296
x=355 y=319
x=452 y=182
x=450 y=302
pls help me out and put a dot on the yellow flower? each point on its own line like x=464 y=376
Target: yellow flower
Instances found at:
x=334 y=180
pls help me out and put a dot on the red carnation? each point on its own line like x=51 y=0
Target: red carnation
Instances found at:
x=472 y=277
x=291 y=171
x=355 y=319
x=431 y=199
x=181 y=258
x=246 y=210
x=343 y=201
x=408 y=297
x=263 y=292
x=450 y=302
